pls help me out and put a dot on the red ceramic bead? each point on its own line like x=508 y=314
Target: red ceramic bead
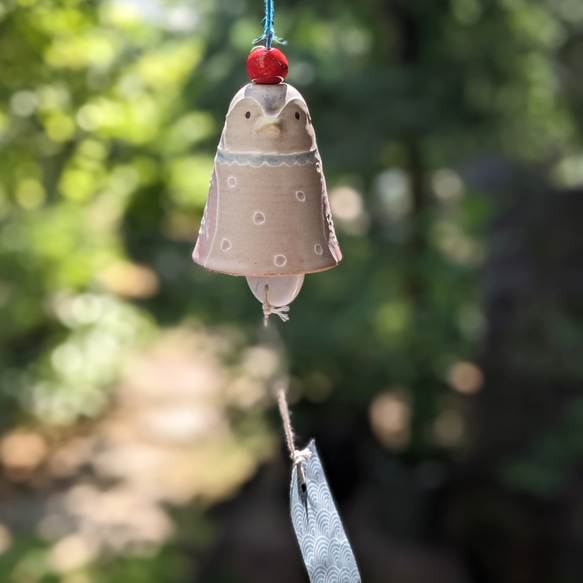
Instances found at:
x=267 y=66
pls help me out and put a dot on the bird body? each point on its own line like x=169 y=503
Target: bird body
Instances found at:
x=267 y=213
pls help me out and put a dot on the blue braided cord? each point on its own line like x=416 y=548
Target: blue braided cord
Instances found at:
x=268 y=29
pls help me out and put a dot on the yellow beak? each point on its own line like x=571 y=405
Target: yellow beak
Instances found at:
x=269 y=125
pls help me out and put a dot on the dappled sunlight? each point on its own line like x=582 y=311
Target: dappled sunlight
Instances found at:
x=166 y=437
x=348 y=209
x=447 y=185
x=21 y=452
x=390 y=418
x=5 y=539
x=393 y=191
x=465 y=378
x=103 y=331
x=131 y=280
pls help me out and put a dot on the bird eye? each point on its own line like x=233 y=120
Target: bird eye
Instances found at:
x=248 y=115
x=297 y=115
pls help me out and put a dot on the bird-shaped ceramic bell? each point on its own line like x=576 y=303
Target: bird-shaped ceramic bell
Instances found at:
x=267 y=216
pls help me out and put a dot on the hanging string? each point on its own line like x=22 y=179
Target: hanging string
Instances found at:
x=296 y=455
x=268 y=29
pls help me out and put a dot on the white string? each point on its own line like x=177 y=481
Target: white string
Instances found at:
x=296 y=455
x=268 y=309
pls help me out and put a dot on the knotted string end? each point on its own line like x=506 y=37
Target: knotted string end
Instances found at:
x=268 y=309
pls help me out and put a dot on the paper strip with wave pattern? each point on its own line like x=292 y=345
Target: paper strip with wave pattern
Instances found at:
x=326 y=551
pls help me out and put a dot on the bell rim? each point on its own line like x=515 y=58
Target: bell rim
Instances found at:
x=318 y=270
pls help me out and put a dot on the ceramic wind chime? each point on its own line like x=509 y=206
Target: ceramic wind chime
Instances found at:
x=267 y=217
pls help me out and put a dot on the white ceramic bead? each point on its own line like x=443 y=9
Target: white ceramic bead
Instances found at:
x=282 y=289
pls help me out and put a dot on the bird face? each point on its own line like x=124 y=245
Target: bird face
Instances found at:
x=268 y=119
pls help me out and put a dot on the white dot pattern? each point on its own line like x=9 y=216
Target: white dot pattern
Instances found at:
x=226 y=245
x=280 y=260
x=258 y=218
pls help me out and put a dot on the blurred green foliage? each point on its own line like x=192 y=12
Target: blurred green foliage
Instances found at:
x=110 y=113
x=26 y=561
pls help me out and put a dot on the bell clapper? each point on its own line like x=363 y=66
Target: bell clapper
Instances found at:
x=275 y=292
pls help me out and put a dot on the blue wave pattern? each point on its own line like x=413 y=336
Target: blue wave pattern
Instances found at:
x=256 y=160
x=323 y=543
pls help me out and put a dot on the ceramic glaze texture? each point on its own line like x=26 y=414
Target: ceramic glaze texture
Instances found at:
x=267 y=212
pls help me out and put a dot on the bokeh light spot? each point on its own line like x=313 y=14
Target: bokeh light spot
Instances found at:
x=394 y=193
x=390 y=416
x=5 y=539
x=447 y=185
x=30 y=194
x=22 y=450
x=131 y=280
x=23 y=103
x=465 y=378
x=348 y=209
